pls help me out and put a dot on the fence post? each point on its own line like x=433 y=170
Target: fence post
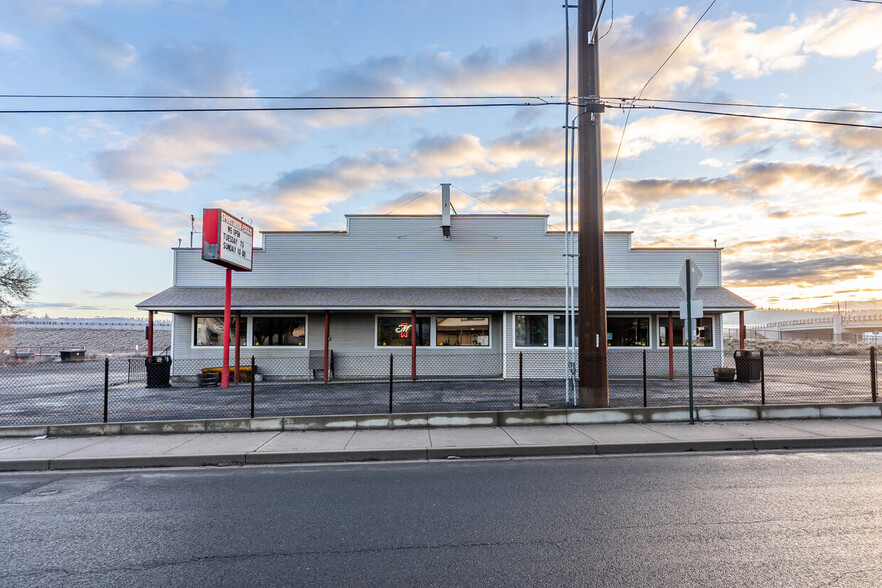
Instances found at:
x=644 y=379
x=253 y=374
x=391 y=358
x=521 y=381
x=873 y=390
x=106 y=384
x=762 y=377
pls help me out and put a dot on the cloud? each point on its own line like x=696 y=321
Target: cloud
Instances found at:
x=63 y=203
x=9 y=149
x=98 y=46
x=9 y=42
x=170 y=153
x=116 y=294
x=750 y=181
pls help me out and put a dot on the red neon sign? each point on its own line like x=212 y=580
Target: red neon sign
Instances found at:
x=403 y=329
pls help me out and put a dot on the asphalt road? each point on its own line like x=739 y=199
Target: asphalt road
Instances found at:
x=769 y=519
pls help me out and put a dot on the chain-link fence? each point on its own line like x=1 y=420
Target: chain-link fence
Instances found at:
x=33 y=392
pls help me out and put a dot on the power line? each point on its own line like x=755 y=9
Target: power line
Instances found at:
x=746 y=115
x=478 y=199
x=749 y=105
x=276 y=108
x=683 y=40
x=412 y=200
x=239 y=97
x=866 y=1
x=640 y=93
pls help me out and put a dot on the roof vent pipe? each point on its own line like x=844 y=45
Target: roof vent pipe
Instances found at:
x=445 y=210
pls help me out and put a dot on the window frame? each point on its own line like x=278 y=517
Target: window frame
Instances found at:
x=548 y=326
x=550 y=323
x=285 y=315
x=248 y=332
x=713 y=325
x=649 y=339
x=220 y=316
x=433 y=330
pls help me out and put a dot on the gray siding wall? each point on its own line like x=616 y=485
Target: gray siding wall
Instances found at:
x=490 y=251
x=551 y=362
x=353 y=342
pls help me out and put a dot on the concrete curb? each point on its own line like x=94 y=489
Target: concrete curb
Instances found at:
x=503 y=418
x=434 y=453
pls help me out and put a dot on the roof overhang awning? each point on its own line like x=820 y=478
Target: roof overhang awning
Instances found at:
x=186 y=299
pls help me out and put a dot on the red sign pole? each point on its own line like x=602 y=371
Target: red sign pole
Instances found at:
x=225 y=368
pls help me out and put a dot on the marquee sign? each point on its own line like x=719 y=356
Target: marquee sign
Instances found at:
x=226 y=240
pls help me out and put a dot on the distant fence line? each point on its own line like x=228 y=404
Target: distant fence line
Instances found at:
x=62 y=324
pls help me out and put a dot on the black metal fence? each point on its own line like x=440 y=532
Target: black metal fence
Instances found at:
x=115 y=389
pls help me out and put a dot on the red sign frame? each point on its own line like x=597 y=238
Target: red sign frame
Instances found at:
x=226 y=240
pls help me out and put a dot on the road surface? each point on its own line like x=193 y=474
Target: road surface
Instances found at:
x=784 y=519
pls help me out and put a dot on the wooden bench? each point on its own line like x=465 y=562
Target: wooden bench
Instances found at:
x=244 y=372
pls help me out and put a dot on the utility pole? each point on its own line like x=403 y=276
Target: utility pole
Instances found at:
x=593 y=364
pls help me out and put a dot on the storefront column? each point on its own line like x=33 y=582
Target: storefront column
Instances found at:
x=671 y=345
x=741 y=330
x=413 y=338
x=327 y=342
x=236 y=360
x=149 y=332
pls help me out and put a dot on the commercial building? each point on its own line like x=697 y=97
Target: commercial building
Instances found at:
x=463 y=300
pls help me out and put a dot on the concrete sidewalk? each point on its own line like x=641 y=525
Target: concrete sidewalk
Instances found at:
x=275 y=447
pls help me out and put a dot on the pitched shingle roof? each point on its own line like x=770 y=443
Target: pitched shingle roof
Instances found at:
x=195 y=299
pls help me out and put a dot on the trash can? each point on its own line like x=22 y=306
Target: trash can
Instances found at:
x=748 y=366
x=158 y=371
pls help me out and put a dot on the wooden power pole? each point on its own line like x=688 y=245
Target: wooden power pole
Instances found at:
x=593 y=364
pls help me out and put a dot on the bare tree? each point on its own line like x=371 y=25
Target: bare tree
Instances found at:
x=17 y=282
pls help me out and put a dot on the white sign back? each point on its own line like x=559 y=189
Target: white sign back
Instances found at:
x=697 y=310
x=694 y=279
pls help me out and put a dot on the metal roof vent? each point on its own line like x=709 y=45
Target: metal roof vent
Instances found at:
x=445 y=210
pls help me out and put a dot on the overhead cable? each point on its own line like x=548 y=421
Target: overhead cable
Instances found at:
x=747 y=115
x=275 y=108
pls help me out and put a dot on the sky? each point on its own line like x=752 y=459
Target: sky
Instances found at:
x=99 y=199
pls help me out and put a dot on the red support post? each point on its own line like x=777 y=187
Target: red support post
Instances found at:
x=741 y=332
x=413 y=343
x=236 y=368
x=671 y=345
x=149 y=332
x=327 y=342
x=225 y=368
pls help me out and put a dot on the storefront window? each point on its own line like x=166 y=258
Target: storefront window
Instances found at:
x=279 y=331
x=209 y=331
x=465 y=330
x=704 y=332
x=398 y=331
x=531 y=330
x=627 y=331
x=560 y=334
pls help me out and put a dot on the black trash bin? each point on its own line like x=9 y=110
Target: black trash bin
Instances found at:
x=748 y=365
x=158 y=371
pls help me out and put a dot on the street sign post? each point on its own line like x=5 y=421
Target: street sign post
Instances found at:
x=690 y=275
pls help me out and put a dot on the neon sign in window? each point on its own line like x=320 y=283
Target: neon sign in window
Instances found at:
x=398 y=332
